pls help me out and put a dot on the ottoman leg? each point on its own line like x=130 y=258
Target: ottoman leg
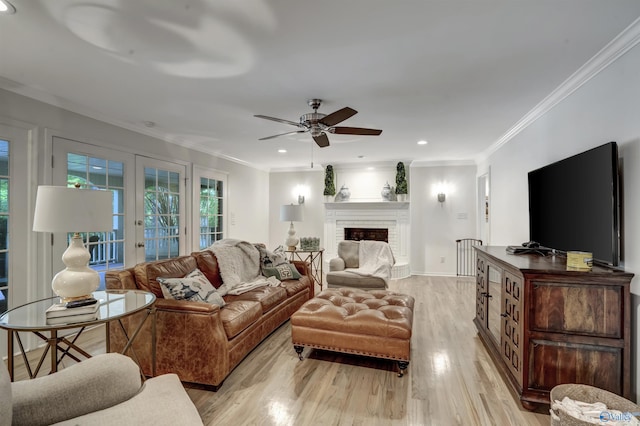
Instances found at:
x=299 y=350
x=403 y=367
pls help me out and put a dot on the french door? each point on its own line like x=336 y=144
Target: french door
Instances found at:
x=149 y=203
x=161 y=230
x=93 y=167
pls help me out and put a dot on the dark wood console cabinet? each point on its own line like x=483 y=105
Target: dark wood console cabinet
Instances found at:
x=544 y=325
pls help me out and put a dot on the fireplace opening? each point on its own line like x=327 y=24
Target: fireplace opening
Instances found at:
x=371 y=234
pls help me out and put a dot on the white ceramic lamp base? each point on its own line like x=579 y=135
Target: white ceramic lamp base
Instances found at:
x=291 y=241
x=77 y=280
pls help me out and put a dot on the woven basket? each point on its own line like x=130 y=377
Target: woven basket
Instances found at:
x=588 y=394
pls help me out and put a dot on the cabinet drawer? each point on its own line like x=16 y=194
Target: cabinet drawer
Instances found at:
x=553 y=363
x=592 y=310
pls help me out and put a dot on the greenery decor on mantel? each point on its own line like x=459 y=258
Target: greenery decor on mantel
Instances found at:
x=401 y=182
x=329 y=185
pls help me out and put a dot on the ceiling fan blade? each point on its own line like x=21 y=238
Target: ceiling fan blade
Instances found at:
x=338 y=116
x=284 y=134
x=279 y=120
x=354 y=131
x=322 y=140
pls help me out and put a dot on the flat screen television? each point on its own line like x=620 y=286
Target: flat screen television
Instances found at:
x=573 y=204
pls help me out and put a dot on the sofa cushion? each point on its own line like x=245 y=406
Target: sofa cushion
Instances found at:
x=267 y=296
x=208 y=264
x=295 y=286
x=194 y=287
x=238 y=315
x=282 y=272
x=349 y=279
x=349 y=251
x=147 y=273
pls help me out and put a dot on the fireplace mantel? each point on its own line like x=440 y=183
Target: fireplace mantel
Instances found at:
x=391 y=215
x=347 y=205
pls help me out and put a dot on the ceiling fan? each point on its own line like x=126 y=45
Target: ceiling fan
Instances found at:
x=320 y=124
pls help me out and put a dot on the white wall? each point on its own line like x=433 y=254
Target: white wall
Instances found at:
x=435 y=226
x=283 y=189
x=605 y=109
x=366 y=183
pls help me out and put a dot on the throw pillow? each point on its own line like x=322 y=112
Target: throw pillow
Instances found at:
x=282 y=272
x=270 y=259
x=194 y=287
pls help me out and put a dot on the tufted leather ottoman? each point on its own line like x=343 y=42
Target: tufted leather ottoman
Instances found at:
x=374 y=323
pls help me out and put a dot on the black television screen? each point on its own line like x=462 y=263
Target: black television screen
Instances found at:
x=573 y=204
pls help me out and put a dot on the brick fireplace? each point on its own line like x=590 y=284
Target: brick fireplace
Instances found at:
x=385 y=221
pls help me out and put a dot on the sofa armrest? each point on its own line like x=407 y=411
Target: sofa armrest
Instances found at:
x=336 y=264
x=303 y=267
x=162 y=400
x=191 y=341
x=95 y=384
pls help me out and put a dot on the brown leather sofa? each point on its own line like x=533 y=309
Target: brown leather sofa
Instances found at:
x=199 y=342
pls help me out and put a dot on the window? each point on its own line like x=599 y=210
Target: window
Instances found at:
x=211 y=208
x=106 y=248
x=161 y=214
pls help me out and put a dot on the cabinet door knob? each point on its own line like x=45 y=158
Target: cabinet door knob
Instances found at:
x=504 y=315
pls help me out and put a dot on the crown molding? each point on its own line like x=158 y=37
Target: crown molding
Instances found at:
x=617 y=47
x=441 y=163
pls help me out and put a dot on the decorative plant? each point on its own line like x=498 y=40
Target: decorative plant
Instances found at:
x=329 y=185
x=401 y=179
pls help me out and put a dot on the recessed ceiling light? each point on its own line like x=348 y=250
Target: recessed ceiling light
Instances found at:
x=7 y=8
x=282 y=151
x=370 y=168
x=423 y=142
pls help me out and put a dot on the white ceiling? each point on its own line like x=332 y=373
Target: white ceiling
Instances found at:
x=459 y=74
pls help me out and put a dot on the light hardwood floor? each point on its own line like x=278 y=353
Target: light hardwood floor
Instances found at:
x=451 y=379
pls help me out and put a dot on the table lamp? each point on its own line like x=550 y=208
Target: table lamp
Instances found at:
x=291 y=213
x=63 y=209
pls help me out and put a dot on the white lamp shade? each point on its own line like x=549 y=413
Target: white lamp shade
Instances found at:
x=62 y=209
x=291 y=213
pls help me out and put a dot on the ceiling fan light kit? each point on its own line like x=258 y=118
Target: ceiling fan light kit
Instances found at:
x=319 y=124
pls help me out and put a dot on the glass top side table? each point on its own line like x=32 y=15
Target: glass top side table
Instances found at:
x=31 y=317
x=314 y=258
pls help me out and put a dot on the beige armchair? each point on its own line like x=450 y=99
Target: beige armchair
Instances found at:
x=364 y=265
x=103 y=390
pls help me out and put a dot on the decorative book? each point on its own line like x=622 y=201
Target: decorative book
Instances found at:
x=71 y=319
x=59 y=310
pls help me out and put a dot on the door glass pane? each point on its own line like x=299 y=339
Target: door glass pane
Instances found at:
x=161 y=214
x=211 y=192
x=4 y=225
x=105 y=248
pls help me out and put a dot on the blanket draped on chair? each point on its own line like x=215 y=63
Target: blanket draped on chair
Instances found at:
x=239 y=263
x=375 y=259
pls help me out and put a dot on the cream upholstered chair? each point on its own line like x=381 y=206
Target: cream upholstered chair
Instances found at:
x=348 y=270
x=103 y=390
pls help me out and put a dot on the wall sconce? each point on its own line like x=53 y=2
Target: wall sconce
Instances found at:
x=441 y=197
x=300 y=191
